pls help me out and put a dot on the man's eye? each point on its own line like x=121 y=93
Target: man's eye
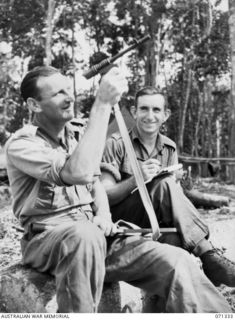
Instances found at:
x=143 y=109
x=56 y=94
x=68 y=91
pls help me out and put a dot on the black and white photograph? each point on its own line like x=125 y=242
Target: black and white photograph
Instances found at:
x=117 y=159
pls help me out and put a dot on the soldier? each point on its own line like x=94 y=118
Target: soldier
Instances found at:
x=173 y=209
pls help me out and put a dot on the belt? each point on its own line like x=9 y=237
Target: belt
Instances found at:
x=137 y=173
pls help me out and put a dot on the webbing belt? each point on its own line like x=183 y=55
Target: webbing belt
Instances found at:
x=137 y=173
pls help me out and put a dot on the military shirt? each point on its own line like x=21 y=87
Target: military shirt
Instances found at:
x=115 y=159
x=34 y=162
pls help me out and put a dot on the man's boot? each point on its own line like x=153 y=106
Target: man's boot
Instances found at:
x=218 y=268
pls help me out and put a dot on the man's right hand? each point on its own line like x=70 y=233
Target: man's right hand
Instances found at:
x=106 y=225
x=150 y=168
x=112 y=86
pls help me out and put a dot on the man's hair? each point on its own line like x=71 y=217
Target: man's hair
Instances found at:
x=29 y=87
x=149 y=91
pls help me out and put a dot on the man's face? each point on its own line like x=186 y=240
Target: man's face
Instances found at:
x=150 y=113
x=56 y=97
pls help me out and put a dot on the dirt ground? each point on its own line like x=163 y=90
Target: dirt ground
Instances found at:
x=221 y=223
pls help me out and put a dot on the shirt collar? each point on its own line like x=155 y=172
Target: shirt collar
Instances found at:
x=159 y=141
x=135 y=133
x=68 y=132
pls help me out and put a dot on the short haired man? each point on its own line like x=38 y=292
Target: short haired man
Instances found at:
x=172 y=207
x=55 y=184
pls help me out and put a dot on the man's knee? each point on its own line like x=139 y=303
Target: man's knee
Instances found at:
x=164 y=264
x=85 y=236
x=162 y=189
x=184 y=265
x=175 y=257
x=89 y=233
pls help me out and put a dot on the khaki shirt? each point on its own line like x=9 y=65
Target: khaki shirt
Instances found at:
x=34 y=162
x=116 y=161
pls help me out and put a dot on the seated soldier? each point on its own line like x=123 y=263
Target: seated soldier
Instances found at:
x=55 y=185
x=173 y=209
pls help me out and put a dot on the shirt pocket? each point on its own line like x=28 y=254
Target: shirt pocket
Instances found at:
x=45 y=196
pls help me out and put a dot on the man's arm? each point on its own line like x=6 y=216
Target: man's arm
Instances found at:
x=111 y=168
x=84 y=161
x=117 y=191
x=102 y=215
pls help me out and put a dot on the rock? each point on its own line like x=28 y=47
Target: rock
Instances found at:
x=23 y=290
x=131 y=298
x=5 y=194
x=153 y=304
x=3 y=231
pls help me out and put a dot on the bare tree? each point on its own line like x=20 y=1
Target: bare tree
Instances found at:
x=232 y=117
x=50 y=13
x=188 y=63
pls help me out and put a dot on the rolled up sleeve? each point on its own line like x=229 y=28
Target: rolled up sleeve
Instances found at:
x=35 y=158
x=112 y=158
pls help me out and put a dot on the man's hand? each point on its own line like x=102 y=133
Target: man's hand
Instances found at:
x=112 y=86
x=180 y=174
x=150 y=168
x=106 y=225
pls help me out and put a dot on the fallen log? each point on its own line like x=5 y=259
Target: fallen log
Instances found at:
x=24 y=290
x=206 y=200
x=198 y=198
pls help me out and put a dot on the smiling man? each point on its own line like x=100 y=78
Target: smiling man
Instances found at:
x=173 y=209
x=55 y=185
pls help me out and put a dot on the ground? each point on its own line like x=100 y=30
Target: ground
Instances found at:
x=221 y=223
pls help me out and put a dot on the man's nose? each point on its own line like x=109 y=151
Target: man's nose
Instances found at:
x=150 y=114
x=70 y=95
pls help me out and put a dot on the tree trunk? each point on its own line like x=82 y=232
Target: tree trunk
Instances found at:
x=218 y=137
x=232 y=113
x=151 y=64
x=50 y=12
x=184 y=108
x=73 y=64
x=197 y=126
x=209 y=110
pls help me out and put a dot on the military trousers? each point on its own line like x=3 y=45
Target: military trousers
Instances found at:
x=172 y=208
x=81 y=258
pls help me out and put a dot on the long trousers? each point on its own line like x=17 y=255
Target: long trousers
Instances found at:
x=172 y=208
x=81 y=259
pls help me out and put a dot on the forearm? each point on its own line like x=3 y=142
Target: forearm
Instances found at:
x=85 y=159
x=118 y=192
x=95 y=136
x=101 y=203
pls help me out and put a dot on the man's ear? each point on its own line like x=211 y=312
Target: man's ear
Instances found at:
x=167 y=114
x=33 y=105
x=133 y=111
